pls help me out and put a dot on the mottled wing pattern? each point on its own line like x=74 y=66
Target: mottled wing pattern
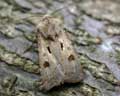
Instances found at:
x=57 y=57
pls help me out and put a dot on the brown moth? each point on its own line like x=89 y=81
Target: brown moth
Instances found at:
x=57 y=58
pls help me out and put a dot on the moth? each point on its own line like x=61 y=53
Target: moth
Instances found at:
x=58 y=60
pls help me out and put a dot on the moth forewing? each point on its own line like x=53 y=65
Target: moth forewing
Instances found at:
x=50 y=70
x=57 y=57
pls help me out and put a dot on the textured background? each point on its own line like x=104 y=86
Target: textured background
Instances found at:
x=95 y=29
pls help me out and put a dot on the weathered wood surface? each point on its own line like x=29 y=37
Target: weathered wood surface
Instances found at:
x=94 y=30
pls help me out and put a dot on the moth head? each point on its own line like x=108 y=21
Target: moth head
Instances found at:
x=50 y=27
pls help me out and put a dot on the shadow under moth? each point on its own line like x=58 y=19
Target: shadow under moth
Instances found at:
x=57 y=58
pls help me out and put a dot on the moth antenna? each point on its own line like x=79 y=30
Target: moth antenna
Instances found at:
x=59 y=9
x=33 y=17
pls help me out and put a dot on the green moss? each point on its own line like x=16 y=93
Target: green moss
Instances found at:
x=118 y=57
x=98 y=70
x=31 y=37
x=16 y=60
x=89 y=91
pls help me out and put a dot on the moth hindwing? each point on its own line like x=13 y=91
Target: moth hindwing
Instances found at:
x=57 y=58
